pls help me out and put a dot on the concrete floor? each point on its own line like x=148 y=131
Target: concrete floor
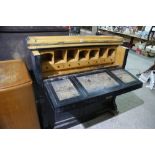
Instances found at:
x=136 y=108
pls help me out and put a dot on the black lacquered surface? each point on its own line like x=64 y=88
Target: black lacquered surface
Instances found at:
x=74 y=88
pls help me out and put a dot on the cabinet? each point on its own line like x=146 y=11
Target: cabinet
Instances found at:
x=17 y=103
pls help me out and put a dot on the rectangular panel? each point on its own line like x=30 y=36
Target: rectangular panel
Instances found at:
x=123 y=76
x=81 y=87
x=64 y=89
x=96 y=82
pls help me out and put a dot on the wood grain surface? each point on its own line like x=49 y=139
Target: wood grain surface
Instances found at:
x=96 y=82
x=64 y=89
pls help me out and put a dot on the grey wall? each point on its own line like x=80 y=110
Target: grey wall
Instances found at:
x=87 y=32
x=13 y=40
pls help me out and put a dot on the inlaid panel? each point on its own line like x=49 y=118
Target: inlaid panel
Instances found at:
x=97 y=82
x=64 y=89
x=123 y=76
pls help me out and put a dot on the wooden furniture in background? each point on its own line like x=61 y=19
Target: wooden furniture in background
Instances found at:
x=17 y=103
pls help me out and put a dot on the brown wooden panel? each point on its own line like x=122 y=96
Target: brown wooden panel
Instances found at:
x=17 y=103
x=13 y=73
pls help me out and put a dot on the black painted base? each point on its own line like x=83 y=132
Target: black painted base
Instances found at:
x=54 y=113
x=111 y=108
x=82 y=112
